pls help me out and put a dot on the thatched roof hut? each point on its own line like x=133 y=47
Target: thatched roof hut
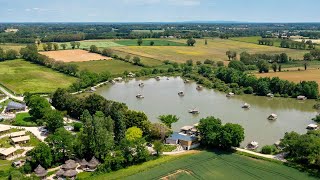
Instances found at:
x=60 y=172
x=83 y=163
x=70 y=164
x=70 y=161
x=40 y=171
x=70 y=173
x=93 y=163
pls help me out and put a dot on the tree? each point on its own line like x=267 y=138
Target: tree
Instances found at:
x=283 y=58
x=220 y=64
x=44 y=47
x=158 y=147
x=133 y=134
x=78 y=44
x=63 y=46
x=231 y=136
x=139 y=42
x=128 y=57
x=49 y=46
x=11 y=54
x=151 y=43
x=305 y=64
x=2 y=54
x=238 y=65
x=263 y=66
x=61 y=143
x=231 y=55
x=73 y=44
x=205 y=42
x=93 y=49
x=191 y=42
x=168 y=120
x=274 y=66
x=136 y=60
x=55 y=46
x=159 y=131
x=189 y=62
x=138 y=119
x=279 y=68
x=107 y=52
x=38 y=106
x=42 y=155
x=209 y=129
x=267 y=149
x=53 y=119
x=307 y=57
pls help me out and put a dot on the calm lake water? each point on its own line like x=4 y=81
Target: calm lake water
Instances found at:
x=161 y=98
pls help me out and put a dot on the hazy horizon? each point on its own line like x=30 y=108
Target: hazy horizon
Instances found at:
x=137 y=11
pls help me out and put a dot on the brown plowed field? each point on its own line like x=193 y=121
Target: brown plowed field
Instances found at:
x=75 y=55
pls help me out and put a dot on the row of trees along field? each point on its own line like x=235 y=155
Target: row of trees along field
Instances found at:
x=110 y=132
x=8 y=55
x=238 y=81
x=49 y=46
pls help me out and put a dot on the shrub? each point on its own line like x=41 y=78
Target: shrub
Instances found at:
x=77 y=126
x=268 y=149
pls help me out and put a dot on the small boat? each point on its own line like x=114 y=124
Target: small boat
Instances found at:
x=194 y=111
x=230 y=94
x=302 y=98
x=270 y=95
x=246 y=106
x=253 y=145
x=158 y=78
x=131 y=75
x=312 y=127
x=168 y=79
x=186 y=81
x=141 y=84
x=272 y=117
x=139 y=96
x=199 y=88
x=118 y=79
x=181 y=93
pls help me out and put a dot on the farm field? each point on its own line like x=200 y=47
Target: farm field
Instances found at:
x=146 y=42
x=13 y=46
x=295 y=75
x=210 y=165
x=145 y=60
x=215 y=50
x=76 y=55
x=22 y=76
x=113 y=66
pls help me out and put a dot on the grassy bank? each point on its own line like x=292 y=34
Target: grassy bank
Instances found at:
x=22 y=76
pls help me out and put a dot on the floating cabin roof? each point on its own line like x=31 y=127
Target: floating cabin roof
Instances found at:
x=19 y=139
x=178 y=136
x=14 y=105
x=17 y=134
x=40 y=171
x=8 y=151
x=4 y=128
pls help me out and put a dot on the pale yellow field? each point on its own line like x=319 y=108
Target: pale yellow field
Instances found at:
x=215 y=50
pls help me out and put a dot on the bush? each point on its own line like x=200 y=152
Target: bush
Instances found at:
x=268 y=149
x=316 y=119
x=220 y=64
x=248 y=90
x=77 y=126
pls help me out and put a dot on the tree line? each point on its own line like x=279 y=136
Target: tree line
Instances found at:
x=10 y=54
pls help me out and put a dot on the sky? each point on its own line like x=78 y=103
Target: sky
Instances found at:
x=159 y=10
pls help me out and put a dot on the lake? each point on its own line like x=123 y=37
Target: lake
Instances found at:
x=161 y=97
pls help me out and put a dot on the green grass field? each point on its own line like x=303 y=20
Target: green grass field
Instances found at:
x=205 y=165
x=215 y=165
x=251 y=39
x=146 y=42
x=113 y=66
x=22 y=76
x=145 y=60
x=24 y=119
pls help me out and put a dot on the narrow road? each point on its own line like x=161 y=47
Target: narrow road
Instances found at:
x=12 y=96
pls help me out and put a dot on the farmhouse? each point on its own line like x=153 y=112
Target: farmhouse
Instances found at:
x=186 y=141
x=11 y=30
x=14 y=106
x=7 y=153
x=21 y=140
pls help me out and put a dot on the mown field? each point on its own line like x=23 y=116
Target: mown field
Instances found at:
x=146 y=42
x=215 y=50
x=113 y=66
x=210 y=165
x=14 y=46
x=294 y=75
x=22 y=76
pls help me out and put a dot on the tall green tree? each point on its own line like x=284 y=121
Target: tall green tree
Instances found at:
x=63 y=46
x=191 y=42
x=168 y=120
x=231 y=135
x=73 y=44
x=38 y=106
x=42 y=155
x=209 y=129
x=53 y=119
x=139 y=42
x=133 y=134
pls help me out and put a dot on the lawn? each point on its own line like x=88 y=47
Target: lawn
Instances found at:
x=5 y=142
x=103 y=43
x=22 y=76
x=251 y=39
x=216 y=165
x=24 y=119
x=34 y=141
x=205 y=165
x=215 y=50
x=145 y=60
x=113 y=66
x=146 y=42
x=294 y=75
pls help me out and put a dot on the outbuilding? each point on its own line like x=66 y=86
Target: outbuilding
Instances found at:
x=21 y=140
x=8 y=153
x=186 y=141
x=15 y=106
